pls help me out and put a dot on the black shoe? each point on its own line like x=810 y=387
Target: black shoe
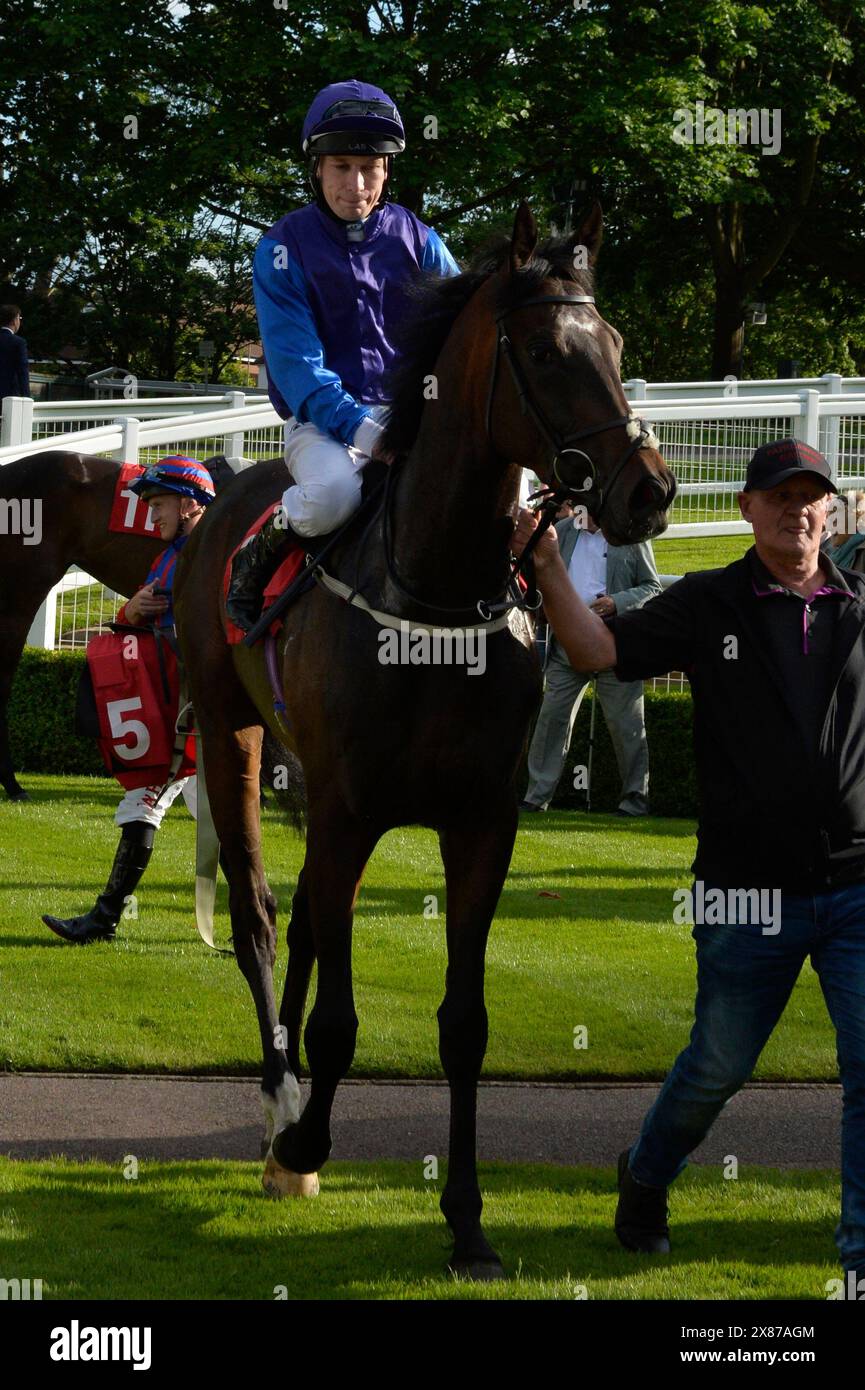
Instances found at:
x=530 y=806
x=642 y=1213
x=254 y=566
x=130 y=861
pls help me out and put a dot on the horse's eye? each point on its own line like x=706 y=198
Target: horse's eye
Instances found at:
x=544 y=354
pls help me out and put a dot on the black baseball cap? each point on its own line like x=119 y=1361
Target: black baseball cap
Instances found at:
x=786 y=458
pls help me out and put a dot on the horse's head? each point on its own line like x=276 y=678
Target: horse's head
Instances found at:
x=555 y=402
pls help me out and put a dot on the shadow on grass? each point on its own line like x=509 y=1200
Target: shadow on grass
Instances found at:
x=195 y=1231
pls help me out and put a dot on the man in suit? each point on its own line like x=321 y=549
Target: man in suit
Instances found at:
x=14 y=372
x=610 y=579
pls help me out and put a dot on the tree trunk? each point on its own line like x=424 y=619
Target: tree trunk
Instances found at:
x=728 y=331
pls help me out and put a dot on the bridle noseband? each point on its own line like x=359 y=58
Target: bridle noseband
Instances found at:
x=561 y=444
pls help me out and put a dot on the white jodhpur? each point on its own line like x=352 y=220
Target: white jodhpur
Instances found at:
x=327 y=476
x=141 y=804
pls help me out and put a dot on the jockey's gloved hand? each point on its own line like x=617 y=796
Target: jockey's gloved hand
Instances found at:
x=367 y=435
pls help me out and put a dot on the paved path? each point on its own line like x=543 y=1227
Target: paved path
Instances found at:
x=166 y=1118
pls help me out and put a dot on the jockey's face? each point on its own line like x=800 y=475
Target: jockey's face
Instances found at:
x=351 y=184
x=173 y=514
x=165 y=512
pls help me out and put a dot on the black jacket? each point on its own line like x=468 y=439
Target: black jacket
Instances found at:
x=770 y=815
x=14 y=372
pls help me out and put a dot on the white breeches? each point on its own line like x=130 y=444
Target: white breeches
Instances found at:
x=141 y=804
x=327 y=478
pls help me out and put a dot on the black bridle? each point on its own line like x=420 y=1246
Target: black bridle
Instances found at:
x=561 y=444
x=553 y=496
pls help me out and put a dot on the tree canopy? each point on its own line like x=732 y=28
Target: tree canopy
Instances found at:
x=145 y=145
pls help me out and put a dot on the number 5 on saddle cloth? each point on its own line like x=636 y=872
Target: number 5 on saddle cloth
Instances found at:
x=128 y=700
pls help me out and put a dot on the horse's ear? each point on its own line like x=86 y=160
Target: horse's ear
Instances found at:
x=525 y=237
x=591 y=232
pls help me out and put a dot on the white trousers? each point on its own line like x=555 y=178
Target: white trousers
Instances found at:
x=141 y=804
x=327 y=478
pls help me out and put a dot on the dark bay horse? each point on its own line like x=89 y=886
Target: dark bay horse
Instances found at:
x=76 y=492
x=389 y=745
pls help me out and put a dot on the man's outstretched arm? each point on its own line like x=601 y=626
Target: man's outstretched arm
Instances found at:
x=585 y=638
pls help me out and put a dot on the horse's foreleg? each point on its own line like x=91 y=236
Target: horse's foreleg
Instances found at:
x=231 y=760
x=476 y=862
x=337 y=851
x=301 y=955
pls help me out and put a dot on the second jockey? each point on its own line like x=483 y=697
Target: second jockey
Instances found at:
x=178 y=489
x=327 y=283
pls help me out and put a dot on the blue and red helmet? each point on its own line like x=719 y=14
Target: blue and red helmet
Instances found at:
x=179 y=474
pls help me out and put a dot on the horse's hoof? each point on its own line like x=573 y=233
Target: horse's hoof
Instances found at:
x=281 y=1182
x=477 y=1271
x=20 y=795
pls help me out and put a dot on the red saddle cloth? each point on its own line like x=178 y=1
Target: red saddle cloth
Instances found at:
x=291 y=566
x=130 y=514
x=136 y=686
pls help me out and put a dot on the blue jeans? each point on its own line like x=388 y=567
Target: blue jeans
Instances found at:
x=744 y=979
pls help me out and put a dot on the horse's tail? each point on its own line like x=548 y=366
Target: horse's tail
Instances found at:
x=285 y=782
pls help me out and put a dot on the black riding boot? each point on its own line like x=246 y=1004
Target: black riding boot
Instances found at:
x=254 y=566
x=130 y=861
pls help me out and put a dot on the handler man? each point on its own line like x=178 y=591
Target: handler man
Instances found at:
x=178 y=490
x=773 y=645
x=328 y=281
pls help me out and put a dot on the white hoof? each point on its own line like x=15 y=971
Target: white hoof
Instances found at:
x=281 y=1182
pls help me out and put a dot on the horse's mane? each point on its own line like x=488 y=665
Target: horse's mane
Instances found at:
x=437 y=300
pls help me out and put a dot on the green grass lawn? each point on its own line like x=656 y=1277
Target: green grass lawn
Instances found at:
x=206 y=1231
x=679 y=556
x=602 y=952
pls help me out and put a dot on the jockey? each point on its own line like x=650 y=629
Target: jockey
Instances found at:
x=178 y=490
x=326 y=280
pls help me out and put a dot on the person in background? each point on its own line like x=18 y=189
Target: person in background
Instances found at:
x=610 y=579
x=14 y=369
x=847 y=548
x=178 y=490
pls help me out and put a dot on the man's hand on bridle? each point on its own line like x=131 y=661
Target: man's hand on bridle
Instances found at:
x=546 y=552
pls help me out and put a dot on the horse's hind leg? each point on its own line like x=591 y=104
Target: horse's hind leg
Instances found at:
x=337 y=851
x=231 y=760
x=476 y=860
x=13 y=631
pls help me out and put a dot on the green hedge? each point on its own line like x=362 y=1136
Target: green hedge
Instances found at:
x=43 y=703
x=42 y=714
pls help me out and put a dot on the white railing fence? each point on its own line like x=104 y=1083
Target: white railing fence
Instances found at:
x=243 y=432
x=706 y=439
x=830 y=384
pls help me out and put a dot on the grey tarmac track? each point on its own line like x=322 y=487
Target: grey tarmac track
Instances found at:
x=107 y=1117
